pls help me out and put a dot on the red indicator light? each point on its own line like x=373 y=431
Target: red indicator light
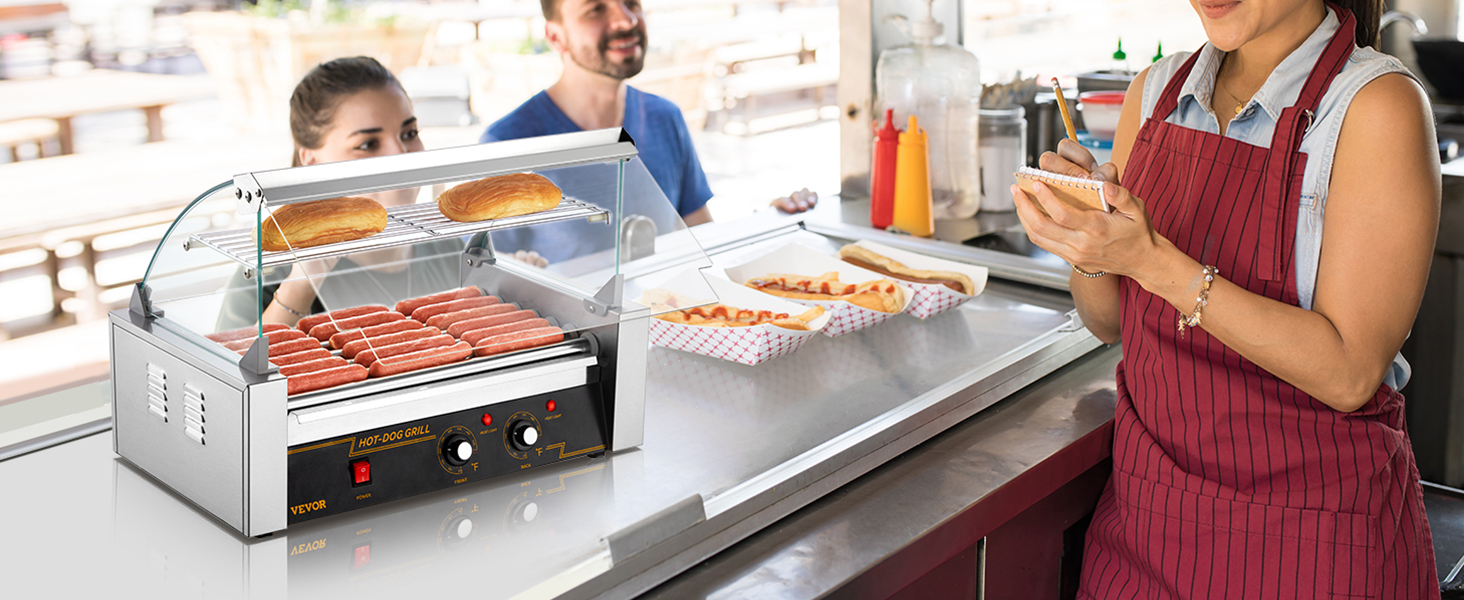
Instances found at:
x=550 y=406
x=361 y=472
x=487 y=419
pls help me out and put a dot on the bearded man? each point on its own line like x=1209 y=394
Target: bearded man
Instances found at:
x=603 y=43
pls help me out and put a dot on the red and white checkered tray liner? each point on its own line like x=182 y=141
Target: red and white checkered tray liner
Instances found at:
x=802 y=260
x=747 y=345
x=930 y=298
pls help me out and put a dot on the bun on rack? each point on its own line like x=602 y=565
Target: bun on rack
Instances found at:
x=880 y=295
x=499 y=197
x=860 y=256
x=306 y=224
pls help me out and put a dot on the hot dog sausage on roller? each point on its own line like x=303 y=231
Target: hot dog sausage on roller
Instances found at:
x=407 y=306
x=319 y=380
x=307 y=323
x=245 y=332
x=397 y=365
x=379 y=341
x=313 y=365
x=323 y=331
x=445 y=320
x=340 y=340
x=460 y=327
x=299 y=357
x=478 y=335
x=367 y=357
x=293 y=346
x=275 y=337
x=432 y=310
x=519 y=340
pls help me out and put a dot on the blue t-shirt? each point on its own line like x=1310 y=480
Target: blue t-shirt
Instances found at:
x=660 y=134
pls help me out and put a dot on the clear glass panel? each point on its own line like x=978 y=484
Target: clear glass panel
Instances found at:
x=544 y=269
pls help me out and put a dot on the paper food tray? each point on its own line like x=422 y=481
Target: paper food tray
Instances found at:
x=747 y=345
x=930 y=298
x=802 y=260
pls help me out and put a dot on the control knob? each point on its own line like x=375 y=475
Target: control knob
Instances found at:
x=524 y=435
x=457 y=450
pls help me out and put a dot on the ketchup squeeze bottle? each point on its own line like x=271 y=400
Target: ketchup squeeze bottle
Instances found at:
x=882 y=173
x=912 y=183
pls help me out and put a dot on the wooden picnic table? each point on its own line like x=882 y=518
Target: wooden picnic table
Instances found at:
x=100 y=90
x=82 y=197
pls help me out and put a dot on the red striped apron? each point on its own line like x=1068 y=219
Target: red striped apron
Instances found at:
x=1227 y=481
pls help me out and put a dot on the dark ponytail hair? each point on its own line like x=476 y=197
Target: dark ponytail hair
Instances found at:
x=1369 y=15
x=313 y=105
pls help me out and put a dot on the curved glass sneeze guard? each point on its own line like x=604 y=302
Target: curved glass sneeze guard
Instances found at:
x=209 y=274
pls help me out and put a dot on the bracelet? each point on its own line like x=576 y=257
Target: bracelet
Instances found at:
x=1193 y=319
x=1087 y=274
x=292 y=311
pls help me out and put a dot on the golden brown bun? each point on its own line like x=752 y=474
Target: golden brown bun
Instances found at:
x=320 y=222
x=881 y=294
x=885 y=265
x=499 y=197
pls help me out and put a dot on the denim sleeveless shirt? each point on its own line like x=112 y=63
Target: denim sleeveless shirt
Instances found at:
x=1257 y=120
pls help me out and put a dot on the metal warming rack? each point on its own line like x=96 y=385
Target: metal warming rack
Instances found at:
x=409 y=224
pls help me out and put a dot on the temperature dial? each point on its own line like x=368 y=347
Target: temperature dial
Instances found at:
x=457 y=450
x=525 y=435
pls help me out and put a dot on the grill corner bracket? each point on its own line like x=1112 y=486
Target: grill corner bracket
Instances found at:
x=256 y=360
x=608 y=298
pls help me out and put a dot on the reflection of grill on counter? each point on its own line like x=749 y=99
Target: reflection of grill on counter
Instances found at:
x=217 y=424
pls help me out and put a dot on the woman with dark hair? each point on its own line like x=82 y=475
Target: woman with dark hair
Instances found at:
x=346 y=109
x=1275 y=199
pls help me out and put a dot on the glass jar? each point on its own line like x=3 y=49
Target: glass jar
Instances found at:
x=1003 y=149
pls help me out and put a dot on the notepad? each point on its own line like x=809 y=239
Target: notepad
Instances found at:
x=1076 y=192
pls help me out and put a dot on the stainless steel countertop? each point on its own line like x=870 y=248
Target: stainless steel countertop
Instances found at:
x=829 y=543
x=729 y=449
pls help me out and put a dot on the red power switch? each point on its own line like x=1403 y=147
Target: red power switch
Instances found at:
x=363 y=556
x=361 y=472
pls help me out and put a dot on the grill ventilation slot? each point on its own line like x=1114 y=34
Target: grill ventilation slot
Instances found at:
x=193 y=413
x=157 y=392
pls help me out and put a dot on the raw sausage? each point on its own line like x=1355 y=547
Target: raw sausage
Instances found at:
x=275 y=337
x=290 y=347
x=319 y=380
x=432 y=310
x=478 y=335
x=242 y=333
x=519 y=340
x=367 y=357
x=323 y=331
x=421 y=360
x=313 y=365
x=460 y=327
x=308 y=323
x=444 y=320
x=299 y=357
x=342 y=339
x=379 y=341
x=410 y=304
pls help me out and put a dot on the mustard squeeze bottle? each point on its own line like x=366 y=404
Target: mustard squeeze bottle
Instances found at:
x=912 y=183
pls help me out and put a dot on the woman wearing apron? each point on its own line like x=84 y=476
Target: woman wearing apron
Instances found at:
x=1275 y=201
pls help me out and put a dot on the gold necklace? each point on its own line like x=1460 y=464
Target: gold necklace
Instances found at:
x=1239 y=104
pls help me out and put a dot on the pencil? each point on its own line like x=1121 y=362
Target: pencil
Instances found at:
x=1067 y=118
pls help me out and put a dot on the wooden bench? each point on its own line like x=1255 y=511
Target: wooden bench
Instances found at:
x=29 y=131
x=745 y=88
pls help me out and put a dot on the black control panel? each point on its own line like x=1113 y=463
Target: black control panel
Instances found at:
x=371 y=467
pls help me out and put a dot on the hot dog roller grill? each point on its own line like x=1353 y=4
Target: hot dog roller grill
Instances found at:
x=219 y=428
